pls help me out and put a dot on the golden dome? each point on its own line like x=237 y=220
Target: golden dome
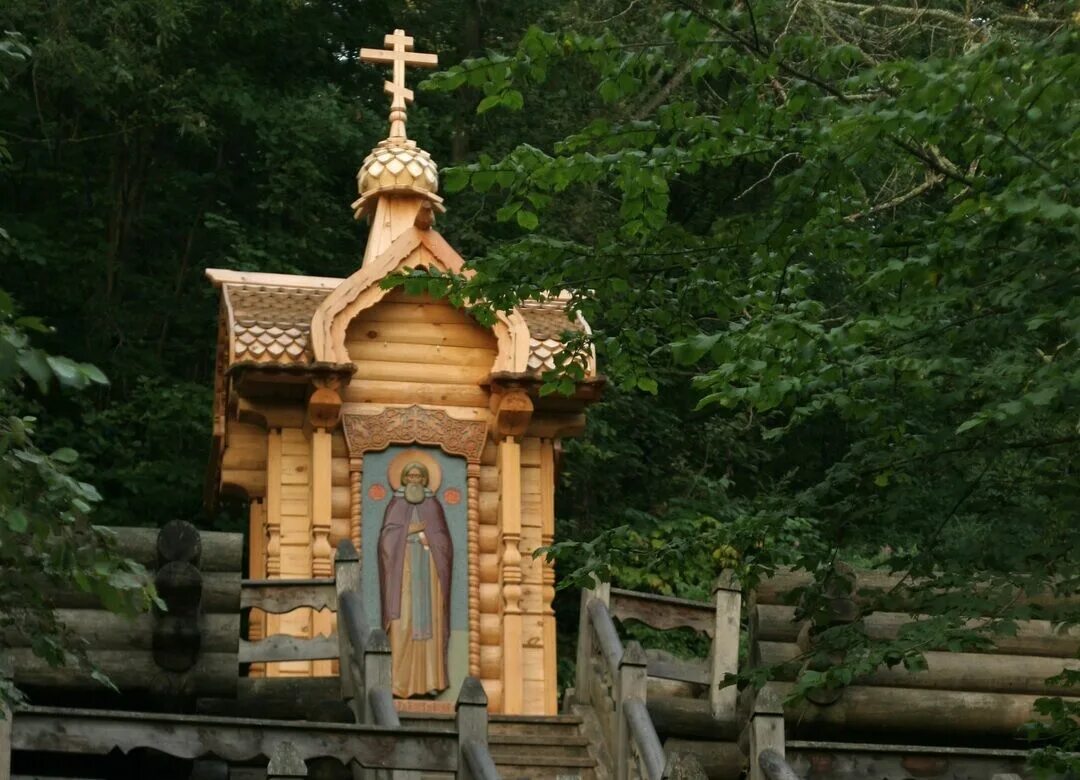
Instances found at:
x=397 y=165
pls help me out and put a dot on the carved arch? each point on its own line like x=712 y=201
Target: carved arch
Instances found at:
x=414 y=425
x=413 y=248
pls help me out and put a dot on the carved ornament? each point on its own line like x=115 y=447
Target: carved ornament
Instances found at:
x=414 y=425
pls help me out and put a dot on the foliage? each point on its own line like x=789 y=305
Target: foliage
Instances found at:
x=46 y=540
x=827 y=249
x=856 y=225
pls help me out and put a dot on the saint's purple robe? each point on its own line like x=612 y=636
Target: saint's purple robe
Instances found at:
x=392 y=543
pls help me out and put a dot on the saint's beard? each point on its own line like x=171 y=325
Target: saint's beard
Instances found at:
x=415 y=494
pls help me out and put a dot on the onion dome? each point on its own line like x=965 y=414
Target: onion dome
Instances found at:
x=397 y=165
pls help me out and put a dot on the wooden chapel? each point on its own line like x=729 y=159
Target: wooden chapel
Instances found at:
x=331 y=394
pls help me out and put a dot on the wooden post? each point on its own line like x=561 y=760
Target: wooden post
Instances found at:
x=547 y=537
x=346 y=580
x=724 y=654
x=377 y=669
x=356 y=501
x=633 y=684
x=583 y=673
x=766 y=728
x=472 y=721
x=285 y=763
x=510 y=520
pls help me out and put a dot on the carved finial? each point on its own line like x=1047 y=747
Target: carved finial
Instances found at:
x=399 y=55
x=472 y=692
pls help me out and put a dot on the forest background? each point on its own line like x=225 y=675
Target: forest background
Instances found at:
x=828 y=250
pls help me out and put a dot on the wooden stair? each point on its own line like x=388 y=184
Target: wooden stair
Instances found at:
x=530 y=746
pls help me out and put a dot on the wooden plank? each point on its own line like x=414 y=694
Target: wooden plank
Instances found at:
x=397 y=311
x=434 y=354
x=683 y=671
x=448 y=335
x=278 y=596
x=295 y=470
x=374 y=391
x=281 y=647
x=390 y=370
x=663 y=612
x=231 y=739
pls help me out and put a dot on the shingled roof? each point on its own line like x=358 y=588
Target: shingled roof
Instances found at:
x=270 y=324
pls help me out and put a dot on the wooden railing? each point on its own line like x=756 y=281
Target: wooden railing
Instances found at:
x=366 y=677
x=719 y=620
x=614 y=681
x=377 y=745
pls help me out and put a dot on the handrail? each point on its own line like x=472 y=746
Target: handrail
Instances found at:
x=351 y=611
x=775 y=766
x=478 y=757
x=366 y=676
x=645 y=737
x=611 y=647
x=382 y=706
x=620 y=702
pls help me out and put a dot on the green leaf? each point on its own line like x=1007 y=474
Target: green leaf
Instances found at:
x=36 y=366
x=527 y=219
x=454 y=179
x=94 y=374
x=513 y=100
x=67 y=371
x=65 y=455
x=17 y=520
x=488 y=103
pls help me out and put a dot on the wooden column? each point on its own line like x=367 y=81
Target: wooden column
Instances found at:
x=322 y=564
x=512 y=409
x=322 y=554
x=356 y=480
x=547 y=511
x=273 y=504
x=724 y=654
x=272 y=508
x=510 y=521
x=257 y=571
x=474 y=567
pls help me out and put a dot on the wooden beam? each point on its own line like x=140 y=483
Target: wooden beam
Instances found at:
x=278 y=596
x=281 y=647
x=99 y=732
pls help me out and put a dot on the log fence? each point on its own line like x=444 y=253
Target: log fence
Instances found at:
x=970 y=695
x=377 y=746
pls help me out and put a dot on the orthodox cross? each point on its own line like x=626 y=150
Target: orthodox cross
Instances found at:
x=399 y=55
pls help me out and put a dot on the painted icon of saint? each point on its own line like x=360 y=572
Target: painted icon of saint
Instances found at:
x=415 y=561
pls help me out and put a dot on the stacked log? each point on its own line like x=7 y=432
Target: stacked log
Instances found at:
x=970 y=694
x=189 y=649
